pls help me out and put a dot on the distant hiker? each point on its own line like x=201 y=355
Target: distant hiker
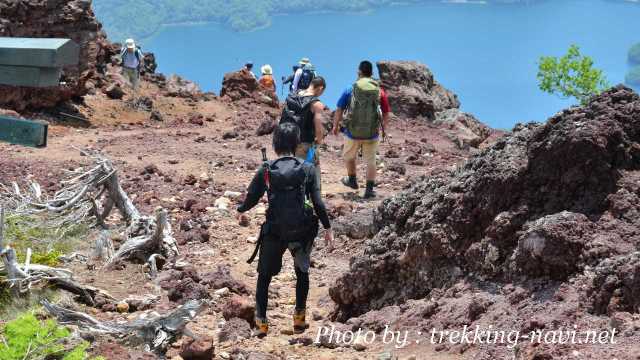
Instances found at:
x=291 y=222
x=305 y=110
x=365 y=108
x=266 y=80
x=303 y=76
x=132 y=61
x=248 y=67
x=289 y=79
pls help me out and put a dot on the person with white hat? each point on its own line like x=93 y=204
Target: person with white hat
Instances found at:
x=303 y=76
x=132 y=60
x=266 y=80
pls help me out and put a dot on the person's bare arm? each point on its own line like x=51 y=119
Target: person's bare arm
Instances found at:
x=337 y=119
x=318 y=108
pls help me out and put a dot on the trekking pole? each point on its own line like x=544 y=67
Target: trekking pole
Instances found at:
x=265 y=165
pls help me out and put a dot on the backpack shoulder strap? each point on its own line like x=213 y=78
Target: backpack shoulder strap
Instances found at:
x=286 y=158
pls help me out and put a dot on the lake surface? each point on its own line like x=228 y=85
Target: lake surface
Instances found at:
x=485 y=53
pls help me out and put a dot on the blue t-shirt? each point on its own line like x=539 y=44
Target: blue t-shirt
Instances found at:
x=343 y=103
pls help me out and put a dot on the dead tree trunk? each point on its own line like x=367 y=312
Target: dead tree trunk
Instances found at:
x=156 y=332
x=81 y=198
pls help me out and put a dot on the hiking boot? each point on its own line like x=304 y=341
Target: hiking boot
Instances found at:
x=299 y=322
x=350 y=181
x=262 y=328
x=369 y=193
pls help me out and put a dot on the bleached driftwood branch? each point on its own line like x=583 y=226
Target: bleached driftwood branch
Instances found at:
x=81 y=198
x=156 y=331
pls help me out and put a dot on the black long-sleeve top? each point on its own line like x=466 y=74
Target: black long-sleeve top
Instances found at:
x=257 y=188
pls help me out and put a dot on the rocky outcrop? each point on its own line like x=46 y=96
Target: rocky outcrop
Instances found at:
x=545 y=205
x=179 y=87
x=241 y=85
x=463 y=129
x=73 y=19
x=412 y=90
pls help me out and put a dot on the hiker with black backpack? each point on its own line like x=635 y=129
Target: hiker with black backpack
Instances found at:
x=303 y=76
x=291 y=222
x=365 y=109
x=132 y=61
x=306 y=110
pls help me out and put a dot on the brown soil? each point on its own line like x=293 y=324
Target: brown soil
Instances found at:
x=179 y=149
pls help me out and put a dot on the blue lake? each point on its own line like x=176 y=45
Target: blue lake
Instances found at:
x=485 y=53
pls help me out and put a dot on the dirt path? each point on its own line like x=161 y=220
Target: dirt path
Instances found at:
x=180 y=149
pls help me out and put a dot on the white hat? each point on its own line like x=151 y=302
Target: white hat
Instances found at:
x=130 y=44
x=304 y=61
x=266 y=70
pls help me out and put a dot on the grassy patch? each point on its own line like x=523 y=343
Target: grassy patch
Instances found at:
x=46 y=242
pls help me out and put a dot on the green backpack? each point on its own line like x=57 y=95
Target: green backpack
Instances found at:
x=363 y=117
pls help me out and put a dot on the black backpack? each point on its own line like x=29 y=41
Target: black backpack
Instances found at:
x=297 y=110
x=288 y=215
x=308 y=74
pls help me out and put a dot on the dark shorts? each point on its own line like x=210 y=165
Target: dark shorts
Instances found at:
x=272 y=250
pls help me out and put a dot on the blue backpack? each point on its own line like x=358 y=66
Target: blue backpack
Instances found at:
x=308 y=74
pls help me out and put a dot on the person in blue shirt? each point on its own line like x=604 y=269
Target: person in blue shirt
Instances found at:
x=351 y=145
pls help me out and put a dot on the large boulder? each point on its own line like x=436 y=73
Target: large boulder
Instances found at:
x=462 y=128
x=179 y=87
x=241 y=85
x=412 y=90
x=543 y=205
x=73 y=19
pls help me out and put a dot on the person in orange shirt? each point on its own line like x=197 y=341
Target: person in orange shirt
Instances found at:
x=266 y=80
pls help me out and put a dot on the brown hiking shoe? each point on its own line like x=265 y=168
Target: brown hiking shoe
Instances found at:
x=299 y=322
x=262 y=328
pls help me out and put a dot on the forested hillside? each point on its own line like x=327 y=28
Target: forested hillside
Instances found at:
x=141 y=18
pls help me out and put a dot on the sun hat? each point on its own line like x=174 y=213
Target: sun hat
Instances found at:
x=130 y=44
x=266 y=70
x=304 y=61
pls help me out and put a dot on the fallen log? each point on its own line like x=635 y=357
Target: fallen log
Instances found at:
x=156 y=331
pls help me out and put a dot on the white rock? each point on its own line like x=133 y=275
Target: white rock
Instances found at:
x=232 y=194
x=224 y=355
x=222 y=203
x=222 y=292
x=261 y=210
x=252 y=239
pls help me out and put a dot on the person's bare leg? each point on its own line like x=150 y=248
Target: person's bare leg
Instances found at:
x=351 y=167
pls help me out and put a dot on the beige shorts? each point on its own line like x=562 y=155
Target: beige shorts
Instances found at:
x=369 y=150
x=132 y=75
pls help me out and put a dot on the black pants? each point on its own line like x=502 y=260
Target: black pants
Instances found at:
x=270 y=264
x=262 y=293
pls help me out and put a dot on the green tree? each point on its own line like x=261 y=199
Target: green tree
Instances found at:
x=571 y=75
x=634 y=54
